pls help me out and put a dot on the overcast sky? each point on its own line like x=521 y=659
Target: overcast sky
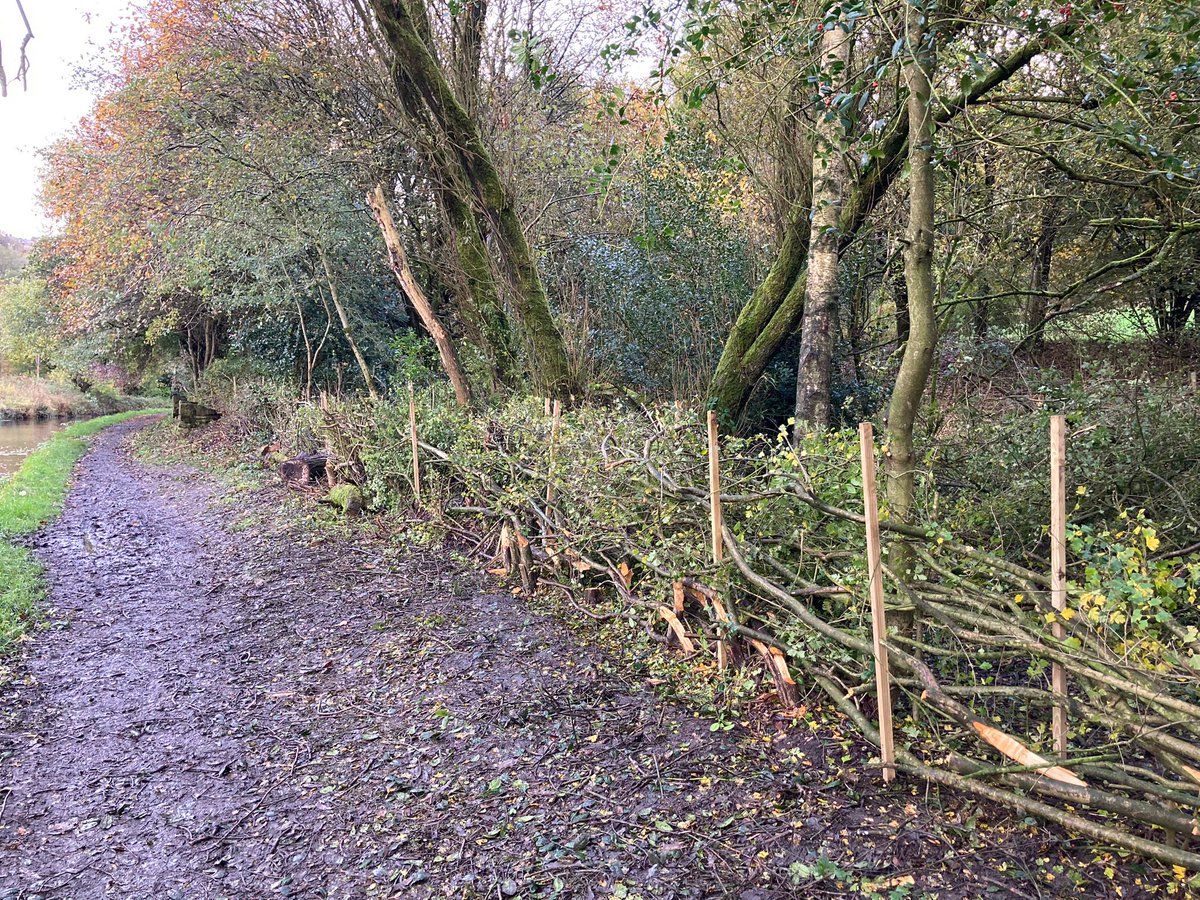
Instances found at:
x=66 y=32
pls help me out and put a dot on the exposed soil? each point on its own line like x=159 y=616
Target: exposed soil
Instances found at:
x=230 y=703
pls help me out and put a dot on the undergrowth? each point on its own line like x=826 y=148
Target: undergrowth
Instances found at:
x=29 y=499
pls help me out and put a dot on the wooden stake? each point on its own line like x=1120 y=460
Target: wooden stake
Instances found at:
x=714 y=488
x=412 y=436
x=555 y=424
x=1192 y=381
x=1058 y=569
x=883 y=680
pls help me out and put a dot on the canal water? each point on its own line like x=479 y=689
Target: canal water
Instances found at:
x=18 y=439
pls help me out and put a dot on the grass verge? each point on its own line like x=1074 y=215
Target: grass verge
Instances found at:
x=29 y=499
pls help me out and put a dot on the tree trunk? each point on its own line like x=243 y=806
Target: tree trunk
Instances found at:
x=398 y=260
x=1039 y=277
x=765 y=322
x=981 y=308
x=915 y=364
x=200 y=342
x=414 y=67
x=773 y=311
x=821 y=286
x=481 y=288
x=347 y=328
x=310 y=359
x=467 y=33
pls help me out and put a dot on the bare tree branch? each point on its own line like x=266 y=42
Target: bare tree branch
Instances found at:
x=23 y=61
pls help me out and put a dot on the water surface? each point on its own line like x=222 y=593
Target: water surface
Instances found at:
x=18 y=439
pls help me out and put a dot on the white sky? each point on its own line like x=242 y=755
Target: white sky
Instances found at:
x=66 y=32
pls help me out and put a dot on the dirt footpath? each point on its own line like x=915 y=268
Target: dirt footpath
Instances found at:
x=228 y=704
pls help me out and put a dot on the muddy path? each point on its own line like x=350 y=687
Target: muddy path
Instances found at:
x=230 y=704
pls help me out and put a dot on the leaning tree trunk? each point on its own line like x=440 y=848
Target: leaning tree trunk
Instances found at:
x=765 y=322
x=481 y=289
x=398 y=260
x=347 y=328
x=773 y=311
x=917 y=360
x=477 y=291
x=821 y=288
x=415 y=68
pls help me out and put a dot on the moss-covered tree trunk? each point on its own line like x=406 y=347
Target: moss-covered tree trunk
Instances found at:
x=773 y=311
x=900 y=461
x=763 y=324
x=817 y=332
x=415 y=68
x=481 y=289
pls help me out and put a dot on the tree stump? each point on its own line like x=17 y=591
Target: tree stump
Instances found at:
x=303 y=470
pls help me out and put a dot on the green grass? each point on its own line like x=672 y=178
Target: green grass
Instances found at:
x=21 y=577
x=30 y=498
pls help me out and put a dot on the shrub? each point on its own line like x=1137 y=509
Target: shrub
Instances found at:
x=1131 y=446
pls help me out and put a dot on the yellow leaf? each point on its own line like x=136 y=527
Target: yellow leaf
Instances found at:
x=1068 y=614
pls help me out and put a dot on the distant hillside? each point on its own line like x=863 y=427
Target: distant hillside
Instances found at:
x=14 y=251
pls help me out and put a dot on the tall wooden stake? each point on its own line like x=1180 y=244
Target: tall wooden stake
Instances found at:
x=555 y=424
x=1058 y=569
x=883 y=679
x=714 y=488
x=412 y=436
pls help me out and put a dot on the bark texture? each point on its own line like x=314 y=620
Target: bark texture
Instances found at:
x=770 y=315
x=480 y=289
x=817 y=332
x=917 y=360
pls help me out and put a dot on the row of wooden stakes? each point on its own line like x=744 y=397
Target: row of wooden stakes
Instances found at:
x=517 y=555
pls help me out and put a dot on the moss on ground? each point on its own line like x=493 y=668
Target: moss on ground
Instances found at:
x=347 y=498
